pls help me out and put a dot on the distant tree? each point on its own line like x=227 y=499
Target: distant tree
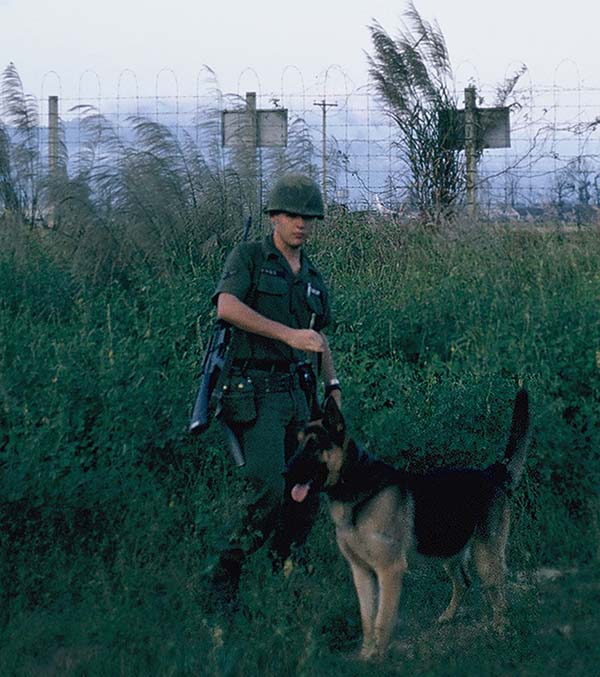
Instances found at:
x=575 y=191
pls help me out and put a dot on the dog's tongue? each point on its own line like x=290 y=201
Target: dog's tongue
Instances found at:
x=300 y=491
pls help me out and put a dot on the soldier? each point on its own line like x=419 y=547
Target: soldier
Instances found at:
x=277 y=300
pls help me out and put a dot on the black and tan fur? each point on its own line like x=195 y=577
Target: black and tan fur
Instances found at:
x=381 y=514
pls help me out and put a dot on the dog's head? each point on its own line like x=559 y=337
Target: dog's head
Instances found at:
x=317 y=463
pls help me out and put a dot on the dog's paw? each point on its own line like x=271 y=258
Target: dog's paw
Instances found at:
x=500 y=625
x=446 y=617
x=369 y=653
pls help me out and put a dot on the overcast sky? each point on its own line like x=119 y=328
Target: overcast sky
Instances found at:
x=108 y=36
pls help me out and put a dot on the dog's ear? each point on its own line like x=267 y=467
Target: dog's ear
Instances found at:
x=333 y=421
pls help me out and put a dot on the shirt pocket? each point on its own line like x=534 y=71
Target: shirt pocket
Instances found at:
x=272 y=284
x=315 y=300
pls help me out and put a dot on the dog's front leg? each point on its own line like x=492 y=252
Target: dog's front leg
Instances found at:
x=390 y=586
x=366 y=589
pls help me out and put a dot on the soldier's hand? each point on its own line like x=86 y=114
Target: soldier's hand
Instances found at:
x=307 y=340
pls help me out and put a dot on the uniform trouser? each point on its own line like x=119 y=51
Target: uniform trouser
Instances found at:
x=268 y=443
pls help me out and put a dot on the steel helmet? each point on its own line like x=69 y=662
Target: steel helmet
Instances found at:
x=296 y=194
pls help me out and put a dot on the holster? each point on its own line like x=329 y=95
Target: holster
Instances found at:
x=237 y=400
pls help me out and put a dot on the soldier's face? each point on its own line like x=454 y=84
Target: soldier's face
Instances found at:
x=293 y=230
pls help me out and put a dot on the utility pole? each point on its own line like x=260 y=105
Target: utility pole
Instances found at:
x=324 y=105
x=471 y=148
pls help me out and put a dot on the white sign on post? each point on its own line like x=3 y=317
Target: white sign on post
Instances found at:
x=272 y=127
x=252 y=127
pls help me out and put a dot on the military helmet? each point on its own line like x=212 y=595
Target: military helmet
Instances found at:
x=296 y=194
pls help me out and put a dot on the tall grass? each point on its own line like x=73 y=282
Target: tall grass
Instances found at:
x=111 y=514
x=141 y=195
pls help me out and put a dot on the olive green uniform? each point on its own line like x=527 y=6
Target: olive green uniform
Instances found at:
x=280 y=296
x=258 y=274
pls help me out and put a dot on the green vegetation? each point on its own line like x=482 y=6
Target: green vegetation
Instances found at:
x=110 y=512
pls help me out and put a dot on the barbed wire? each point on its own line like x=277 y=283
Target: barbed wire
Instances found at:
x=555 y=129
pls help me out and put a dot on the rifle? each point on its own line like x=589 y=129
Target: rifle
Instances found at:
x=215 y=366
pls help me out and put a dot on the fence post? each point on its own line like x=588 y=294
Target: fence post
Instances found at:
x=251 y=137
x=471 y=148
x=52 y=134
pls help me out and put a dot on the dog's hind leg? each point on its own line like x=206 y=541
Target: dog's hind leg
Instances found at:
x=456 y=569
x=490 y=561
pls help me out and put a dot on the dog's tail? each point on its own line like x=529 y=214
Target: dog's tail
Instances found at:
x=518 y=439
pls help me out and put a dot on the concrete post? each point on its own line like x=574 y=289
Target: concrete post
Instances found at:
x=324 y=152
x=251 y=144
x=471 y=148
x=251 y=121
x=52 y=134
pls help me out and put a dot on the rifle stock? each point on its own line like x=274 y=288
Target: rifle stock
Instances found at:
x=213 y=366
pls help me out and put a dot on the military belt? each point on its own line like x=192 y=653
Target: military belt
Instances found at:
x=272 y=383
x=270 y=366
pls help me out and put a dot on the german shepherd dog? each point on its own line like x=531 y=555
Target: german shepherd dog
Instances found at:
x=381 y=514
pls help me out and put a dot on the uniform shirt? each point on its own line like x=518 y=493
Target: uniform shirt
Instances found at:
x=258 y=274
